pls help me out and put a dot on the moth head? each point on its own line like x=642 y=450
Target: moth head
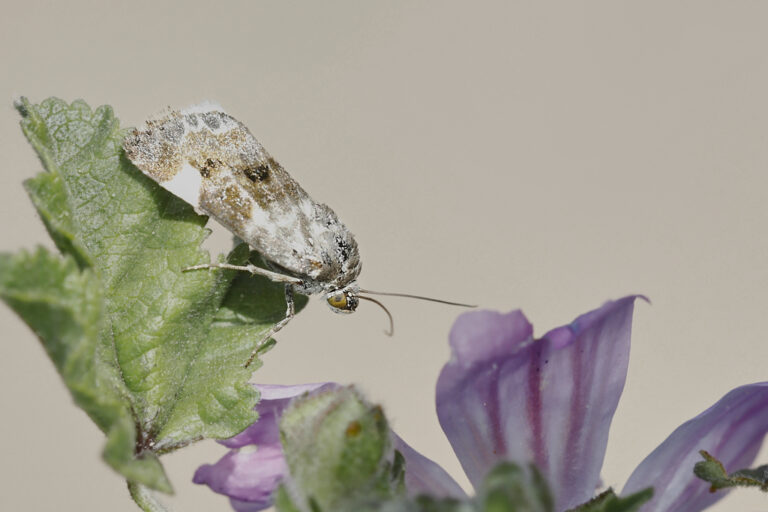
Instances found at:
x=346 y=300
x=343 y=300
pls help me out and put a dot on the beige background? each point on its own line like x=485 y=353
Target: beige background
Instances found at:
x=517 y=155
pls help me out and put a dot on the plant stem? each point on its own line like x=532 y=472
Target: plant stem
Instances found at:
x=144 y=498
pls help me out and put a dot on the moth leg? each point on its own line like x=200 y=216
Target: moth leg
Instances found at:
x=253 y=269
x=290 y=312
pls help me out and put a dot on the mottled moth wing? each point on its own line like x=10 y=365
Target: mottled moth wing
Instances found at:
x=212 y=161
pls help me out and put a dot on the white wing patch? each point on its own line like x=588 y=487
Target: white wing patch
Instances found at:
x=186 y=184
x=212 y=161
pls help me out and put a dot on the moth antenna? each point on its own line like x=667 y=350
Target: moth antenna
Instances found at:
x=391 y=321
x=430 y=299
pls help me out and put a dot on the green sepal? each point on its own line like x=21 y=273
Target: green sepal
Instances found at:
x=608 y=501
x=283 y=501
x=712 y=470
x=339 y=452
x=509 y=487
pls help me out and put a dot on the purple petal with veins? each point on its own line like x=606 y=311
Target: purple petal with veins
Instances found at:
x=424 y=476
x=732 y=430
x=505 y=396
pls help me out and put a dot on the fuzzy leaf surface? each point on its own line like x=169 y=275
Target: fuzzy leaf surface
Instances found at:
x=169 y=344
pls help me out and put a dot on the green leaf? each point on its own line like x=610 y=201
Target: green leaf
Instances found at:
x=144 y=498
x=607 y=501
x=152 y=354
x=64 y=306
x=713 y=471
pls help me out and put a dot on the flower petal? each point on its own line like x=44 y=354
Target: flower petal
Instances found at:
x=274 y=399
x=246 y=475
x=732 y=430
x=424 y=476
x=504 y=396
x=254 y=468
x=245 y=506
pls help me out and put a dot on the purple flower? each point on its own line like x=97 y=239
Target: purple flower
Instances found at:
x=507 y=396
x=254 y=466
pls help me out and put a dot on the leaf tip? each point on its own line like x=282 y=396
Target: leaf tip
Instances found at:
x=21 y=104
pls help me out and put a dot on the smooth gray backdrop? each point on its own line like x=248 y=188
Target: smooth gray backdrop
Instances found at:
x=534 y=155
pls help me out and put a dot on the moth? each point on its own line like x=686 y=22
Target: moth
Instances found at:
x=212 y=161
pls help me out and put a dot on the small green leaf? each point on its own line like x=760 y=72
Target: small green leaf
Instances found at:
x=712 y=470
x=152 y=354
x=607 y=501
x=142 y=467
x=144 y=498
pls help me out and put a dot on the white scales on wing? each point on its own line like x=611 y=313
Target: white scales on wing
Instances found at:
x=213 y=162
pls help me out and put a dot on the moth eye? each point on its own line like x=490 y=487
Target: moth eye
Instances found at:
x=338 y=301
